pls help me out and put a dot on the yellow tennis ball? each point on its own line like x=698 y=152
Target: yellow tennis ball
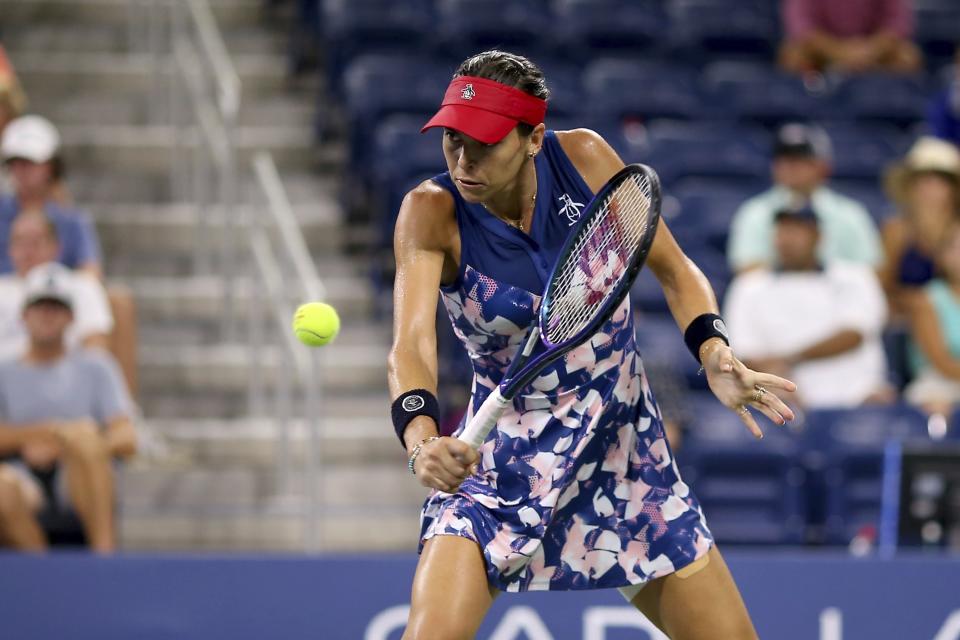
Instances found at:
x=316 y=323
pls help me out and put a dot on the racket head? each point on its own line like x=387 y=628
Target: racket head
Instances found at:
x=601 y=257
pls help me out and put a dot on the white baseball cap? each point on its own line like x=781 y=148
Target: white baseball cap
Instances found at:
x=32 y=138
x=49 y=281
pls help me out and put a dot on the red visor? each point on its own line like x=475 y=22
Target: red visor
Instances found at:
x=486 y=110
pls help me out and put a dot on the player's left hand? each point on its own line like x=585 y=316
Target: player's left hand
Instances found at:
x=739 y=387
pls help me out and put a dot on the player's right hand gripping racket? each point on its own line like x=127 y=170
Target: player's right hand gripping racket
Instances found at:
x=596 y=267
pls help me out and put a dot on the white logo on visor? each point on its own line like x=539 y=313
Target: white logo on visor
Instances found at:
x=468 y=92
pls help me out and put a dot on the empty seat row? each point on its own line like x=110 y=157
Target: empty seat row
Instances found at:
x=819 y=480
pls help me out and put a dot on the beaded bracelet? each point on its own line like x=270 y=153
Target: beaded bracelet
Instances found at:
x=416 y=452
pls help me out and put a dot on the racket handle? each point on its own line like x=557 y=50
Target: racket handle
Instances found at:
x=485 y=419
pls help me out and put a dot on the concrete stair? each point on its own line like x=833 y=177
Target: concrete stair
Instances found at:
x=212 y=480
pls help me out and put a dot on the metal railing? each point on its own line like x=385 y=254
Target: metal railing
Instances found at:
x=288 y=276
x=203 y=93
x=204 y=106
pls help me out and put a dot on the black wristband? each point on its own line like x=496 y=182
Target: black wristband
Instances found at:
x=409 y=405
x=704 y=327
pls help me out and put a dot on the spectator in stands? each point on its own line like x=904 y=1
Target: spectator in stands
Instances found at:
x=935 y=332
x=926 y=189
x=12 y=99
x=30 y=149
x=819 y=322
x=34 y=247
x=64 y=415
x=943 y=115
x=852 y=36
x=12 y=104
x=801 y=166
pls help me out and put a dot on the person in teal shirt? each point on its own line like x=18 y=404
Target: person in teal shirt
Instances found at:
x=801 y=166
x=935 y=334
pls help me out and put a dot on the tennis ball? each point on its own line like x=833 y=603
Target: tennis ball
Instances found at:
x=316 y=323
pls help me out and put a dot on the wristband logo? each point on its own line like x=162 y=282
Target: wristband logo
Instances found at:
x=721 y=328
x=413 y=403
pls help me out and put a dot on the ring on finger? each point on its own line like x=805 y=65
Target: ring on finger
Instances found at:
x=759 y=393
x=743 y=410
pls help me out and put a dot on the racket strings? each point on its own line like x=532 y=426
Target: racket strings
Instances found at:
x=600 y=258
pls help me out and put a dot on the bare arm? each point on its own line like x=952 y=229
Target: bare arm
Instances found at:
x=840 y=342
x=97 y=341
x=925 y=329
x=92 y=268
x=825 y=44
x=14 y=438
x=121 y=437
x=423 y=241
x=687 y=290
x=419 y=250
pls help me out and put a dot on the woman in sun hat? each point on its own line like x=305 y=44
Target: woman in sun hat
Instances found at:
x=925 y=186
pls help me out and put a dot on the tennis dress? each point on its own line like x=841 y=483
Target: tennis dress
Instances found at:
x=577 y=487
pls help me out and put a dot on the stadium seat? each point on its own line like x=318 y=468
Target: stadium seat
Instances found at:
x=378 y=86
x=864 y=151
x=627 y=88
x=844 y=455
x=728 y=27
x=468 y=26
x=356 y=27
x=566 y=90
x=704 y=214
x=660 y=341
x=588 y=28
x=402 y=158
x=953 y=425
x=751 y=490
x=678 y=150
x=647 y=294
x=887 y=98
x=936 y=29
x=759 y=92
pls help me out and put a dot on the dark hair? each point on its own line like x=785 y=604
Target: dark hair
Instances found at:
x=510 y=69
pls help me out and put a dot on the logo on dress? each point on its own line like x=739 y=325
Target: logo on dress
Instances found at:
x=412 y=403
x=570 y=209
x=468 y=92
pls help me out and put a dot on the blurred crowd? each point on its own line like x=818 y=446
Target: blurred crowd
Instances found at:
x=67 y=347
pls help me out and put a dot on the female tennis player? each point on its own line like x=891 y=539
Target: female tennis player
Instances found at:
x=576 y=488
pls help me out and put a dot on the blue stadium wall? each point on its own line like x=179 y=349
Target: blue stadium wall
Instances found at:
x=160 y=597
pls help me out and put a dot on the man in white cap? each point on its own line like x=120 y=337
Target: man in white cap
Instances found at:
x=801 y=166
x=30 y=149
x=34 y=245
x=818 y=322
x=64 y=416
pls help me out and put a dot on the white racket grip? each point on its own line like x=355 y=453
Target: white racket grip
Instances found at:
x=485 y=419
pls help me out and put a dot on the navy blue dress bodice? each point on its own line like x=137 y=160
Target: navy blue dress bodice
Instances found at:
x=504 y=253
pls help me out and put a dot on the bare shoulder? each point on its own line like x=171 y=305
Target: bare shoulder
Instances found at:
x=593 y=156
x=426 y=217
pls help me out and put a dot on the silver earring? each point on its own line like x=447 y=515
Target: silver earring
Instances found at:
x=531 y=154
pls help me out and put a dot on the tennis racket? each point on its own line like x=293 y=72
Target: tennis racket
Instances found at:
x=593 y=274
